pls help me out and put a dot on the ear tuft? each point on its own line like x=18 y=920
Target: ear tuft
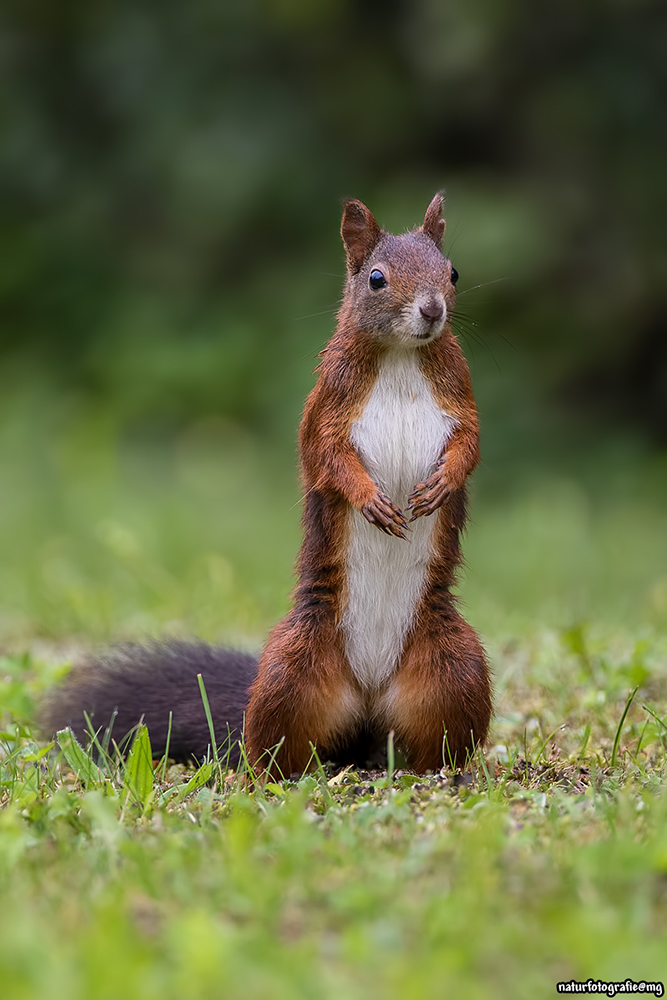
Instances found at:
x=433 y=226
x=360 y=233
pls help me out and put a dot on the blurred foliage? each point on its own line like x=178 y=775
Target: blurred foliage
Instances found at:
x=171 y=266
x=174 y=172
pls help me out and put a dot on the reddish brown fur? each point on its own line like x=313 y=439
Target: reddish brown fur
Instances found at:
x=305 y=690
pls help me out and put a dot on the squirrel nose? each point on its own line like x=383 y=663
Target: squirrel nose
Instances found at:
x=431 y=310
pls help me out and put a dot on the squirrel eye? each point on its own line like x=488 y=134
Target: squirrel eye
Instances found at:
x=454 y=277
x=377 y=280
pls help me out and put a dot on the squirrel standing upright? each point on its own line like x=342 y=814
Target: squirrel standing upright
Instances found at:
x=374 y=642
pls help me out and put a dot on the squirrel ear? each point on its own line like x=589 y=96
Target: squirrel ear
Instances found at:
x=360 y=233
x=433 y=225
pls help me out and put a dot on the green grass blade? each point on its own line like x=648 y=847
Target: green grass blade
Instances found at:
x=209 y=717
x=138 y=773
x=77 y=758
x=617 y=738
x=390 y=758
x=321 y=775
x=199 y=778
x=544 y=744
x=272 y=759
x=165 y=756
x=584 y=741
x=662 y=736
x=656 y=717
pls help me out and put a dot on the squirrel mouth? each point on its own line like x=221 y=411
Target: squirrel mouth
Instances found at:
x=432 y=332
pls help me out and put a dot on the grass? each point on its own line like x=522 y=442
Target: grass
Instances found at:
x=546 y=862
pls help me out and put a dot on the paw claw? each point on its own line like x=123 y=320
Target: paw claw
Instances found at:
x=383 y=513
x=428 y=496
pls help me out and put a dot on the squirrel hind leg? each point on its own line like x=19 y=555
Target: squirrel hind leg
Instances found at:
x=439 y=702
x=303 y=697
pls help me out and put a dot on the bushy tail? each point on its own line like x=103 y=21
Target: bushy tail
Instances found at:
x=132 y=683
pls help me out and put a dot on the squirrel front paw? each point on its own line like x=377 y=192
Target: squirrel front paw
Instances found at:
x=429 y=496
x=385 y=515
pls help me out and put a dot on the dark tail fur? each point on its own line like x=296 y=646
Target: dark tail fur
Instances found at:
x=132 y=683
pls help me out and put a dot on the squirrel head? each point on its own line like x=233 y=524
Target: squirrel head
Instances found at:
x=400 y=289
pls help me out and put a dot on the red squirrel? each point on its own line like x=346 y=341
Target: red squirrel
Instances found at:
x=374 y=642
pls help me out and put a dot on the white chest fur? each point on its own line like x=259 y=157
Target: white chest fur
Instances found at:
x=399 y=437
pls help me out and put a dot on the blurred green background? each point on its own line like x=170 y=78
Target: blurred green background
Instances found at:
x=171 y=267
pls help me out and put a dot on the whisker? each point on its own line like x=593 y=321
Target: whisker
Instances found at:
x=465 y=318
x=463 y=321
x=462 y=318
x=302 y=498
x=508 y=342
x=467 y=331
x=324 y=312
x=455 y=235
x=483 y=284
